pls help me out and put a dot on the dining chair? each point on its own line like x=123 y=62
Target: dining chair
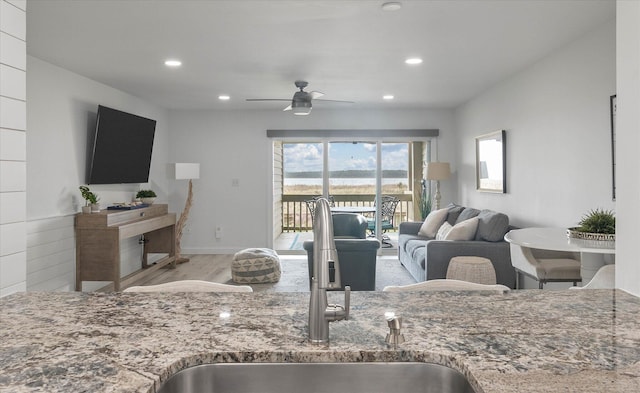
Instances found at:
x=447 y=285
x=311 y=204
x=545 y=265
x=605 y=278
x=190 y=286
x=387 y=213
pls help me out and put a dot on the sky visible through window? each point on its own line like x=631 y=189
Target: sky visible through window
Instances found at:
x=307 y=157
x=349 y=163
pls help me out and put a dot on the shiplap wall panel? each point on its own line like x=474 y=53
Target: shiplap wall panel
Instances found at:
x=13 y=21
x=13 y=113
x=51 y=257
x=13 y=145
x=13 y=51
x=13 y=207
x=12 y=83
x=13 y=125
x=22 y=4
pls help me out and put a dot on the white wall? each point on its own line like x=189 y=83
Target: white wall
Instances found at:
x=628 y=145
x=556 y=117
x=13 y=127
x=233 y=145
x=556 y=114
x=61 y=114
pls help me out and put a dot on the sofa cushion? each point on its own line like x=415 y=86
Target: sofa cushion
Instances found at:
x=454 y=212
x=433 y=222
x=465 y=230
x=413 y=245
x=443 y=231
x=492 y=226
x=467 y=213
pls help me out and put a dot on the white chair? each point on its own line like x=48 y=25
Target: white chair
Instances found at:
x=190 y=286
x=447 y=285
x=605 y=278
x=545 y=266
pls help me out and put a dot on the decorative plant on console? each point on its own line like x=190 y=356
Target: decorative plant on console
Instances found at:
x=91 y=200
x=146 y=196
x=598 y=224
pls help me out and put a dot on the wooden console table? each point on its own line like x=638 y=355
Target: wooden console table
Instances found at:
x=98 y=238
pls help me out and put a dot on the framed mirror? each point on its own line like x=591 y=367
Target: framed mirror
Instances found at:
x=491 y=158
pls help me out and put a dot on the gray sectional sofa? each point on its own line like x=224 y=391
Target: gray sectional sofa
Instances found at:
x=428 y=259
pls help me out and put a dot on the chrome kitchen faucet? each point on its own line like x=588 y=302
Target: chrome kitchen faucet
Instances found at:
x=326 y=275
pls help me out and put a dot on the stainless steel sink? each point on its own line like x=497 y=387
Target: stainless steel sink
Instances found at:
x=317 y=377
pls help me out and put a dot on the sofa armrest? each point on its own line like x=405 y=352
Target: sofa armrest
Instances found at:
x=440 y=252
x=409 y=227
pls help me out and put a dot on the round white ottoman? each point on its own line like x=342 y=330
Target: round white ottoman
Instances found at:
x=256 y=266
x=473 y=269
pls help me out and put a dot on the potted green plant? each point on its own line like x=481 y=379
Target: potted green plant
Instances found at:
x=597 y=224
x=91 y=200
x=425 y=200
x=146 y=196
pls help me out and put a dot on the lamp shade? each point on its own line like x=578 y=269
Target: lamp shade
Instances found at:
x=438 y=171
x=186 y=170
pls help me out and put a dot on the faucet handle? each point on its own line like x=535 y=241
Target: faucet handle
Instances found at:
x=347 y=301
x=395 y=336
x=394 y=323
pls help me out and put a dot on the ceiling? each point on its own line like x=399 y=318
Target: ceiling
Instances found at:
x=350 y=50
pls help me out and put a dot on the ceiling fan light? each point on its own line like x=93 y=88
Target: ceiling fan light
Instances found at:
x=301 y=111
x=301 y=108
x=391 y=6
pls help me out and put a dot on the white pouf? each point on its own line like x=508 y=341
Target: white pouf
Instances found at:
x=472 y=269
x=256 y=266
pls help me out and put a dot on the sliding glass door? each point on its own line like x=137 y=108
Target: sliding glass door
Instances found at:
x=352 y=172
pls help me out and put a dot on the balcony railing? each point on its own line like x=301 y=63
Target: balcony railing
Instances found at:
x=296 y=216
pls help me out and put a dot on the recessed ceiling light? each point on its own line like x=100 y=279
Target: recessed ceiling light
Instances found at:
x=173 y=63
x=223 y=97
x=391 y=6
x=413 y=60
x=388 y=97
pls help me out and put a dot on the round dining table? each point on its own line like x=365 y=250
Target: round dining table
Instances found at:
x=592 y=252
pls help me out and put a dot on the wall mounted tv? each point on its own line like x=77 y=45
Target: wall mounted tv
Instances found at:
x=122 y=148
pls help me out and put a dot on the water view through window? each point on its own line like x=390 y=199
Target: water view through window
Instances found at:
x=352 y=168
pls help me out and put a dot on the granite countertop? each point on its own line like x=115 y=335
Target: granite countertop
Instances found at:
x=523 y=341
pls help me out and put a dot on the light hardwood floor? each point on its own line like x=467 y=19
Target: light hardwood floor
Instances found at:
x=295 y=276
x=215 y=268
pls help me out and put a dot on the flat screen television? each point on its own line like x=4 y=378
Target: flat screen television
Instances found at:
x=122 y=148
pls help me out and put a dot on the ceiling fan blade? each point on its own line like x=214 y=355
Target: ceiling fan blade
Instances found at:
x=346 y=102
x=268 y=99
x=316 y=94
x=288 y=108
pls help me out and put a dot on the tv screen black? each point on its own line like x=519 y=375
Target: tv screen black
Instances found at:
x=122 y=148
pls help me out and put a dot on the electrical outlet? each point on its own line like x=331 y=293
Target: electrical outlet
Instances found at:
x=218 y=232
x=235 y=182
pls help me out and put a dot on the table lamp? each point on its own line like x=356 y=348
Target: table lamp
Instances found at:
x=437 y=171
x=184 y=171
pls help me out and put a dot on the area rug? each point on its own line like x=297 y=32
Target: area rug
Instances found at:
x=295 y=275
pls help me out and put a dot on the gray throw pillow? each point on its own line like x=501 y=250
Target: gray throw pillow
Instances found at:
x=467 y=213
x=454 y=212
x=492 y=226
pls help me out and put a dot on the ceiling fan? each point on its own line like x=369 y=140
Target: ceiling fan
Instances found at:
x=301 y=101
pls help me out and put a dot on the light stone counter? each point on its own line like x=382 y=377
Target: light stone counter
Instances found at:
x=524 y=341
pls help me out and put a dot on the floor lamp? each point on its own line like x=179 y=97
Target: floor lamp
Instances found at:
x=437 y=171
x=184 y=171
